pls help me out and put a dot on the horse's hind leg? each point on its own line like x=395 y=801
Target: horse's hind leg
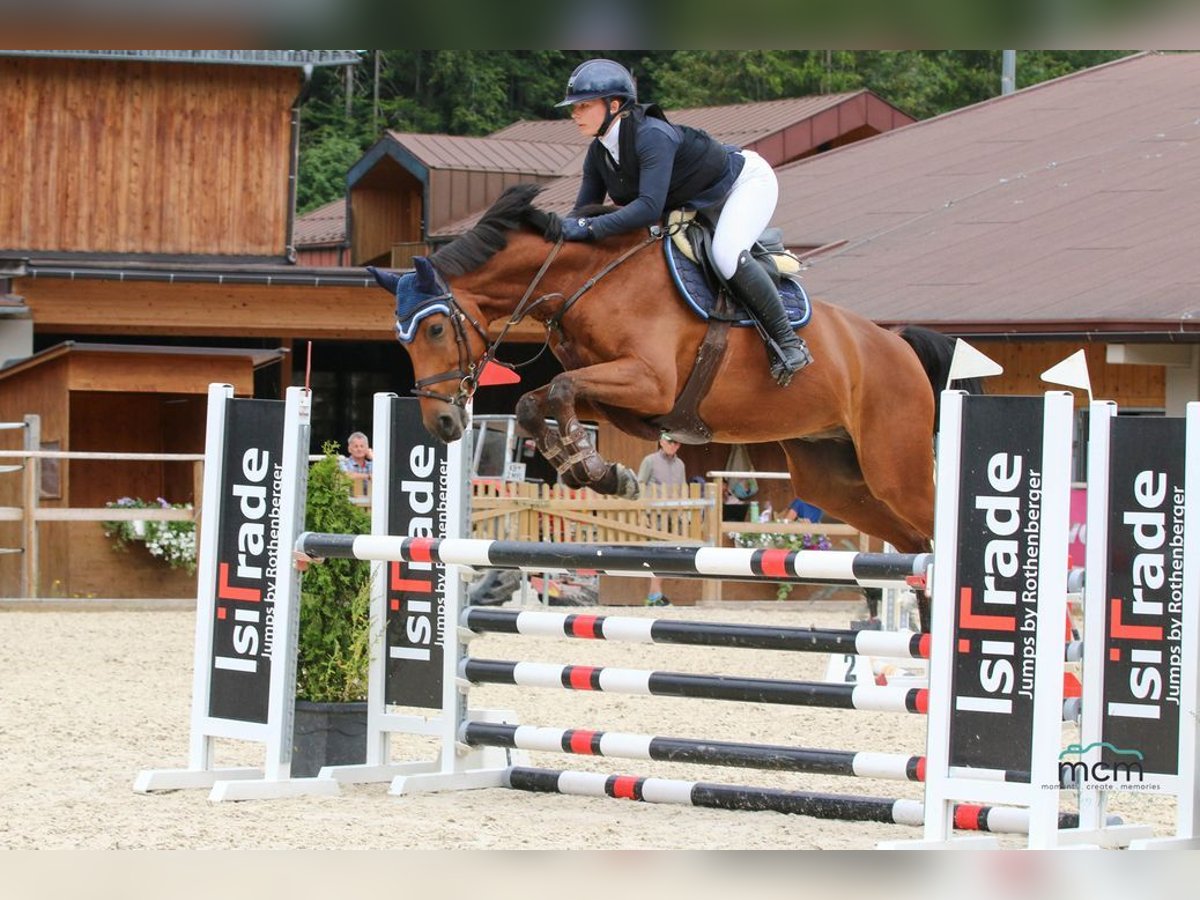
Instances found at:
x=828 y=474
x=895 y=453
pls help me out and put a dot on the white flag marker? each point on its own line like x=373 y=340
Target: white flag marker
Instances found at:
x=970 y=363
x=1072 y=372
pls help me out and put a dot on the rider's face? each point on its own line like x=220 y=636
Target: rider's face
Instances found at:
x=588 y=115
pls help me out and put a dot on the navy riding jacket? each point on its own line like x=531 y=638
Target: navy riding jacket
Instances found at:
x=663 y=167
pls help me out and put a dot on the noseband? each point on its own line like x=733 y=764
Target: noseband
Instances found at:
x=468 y=372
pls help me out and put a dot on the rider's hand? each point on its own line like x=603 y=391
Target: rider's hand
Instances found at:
x=577 y=229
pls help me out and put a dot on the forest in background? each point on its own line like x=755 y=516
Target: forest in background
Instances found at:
x=477 y=92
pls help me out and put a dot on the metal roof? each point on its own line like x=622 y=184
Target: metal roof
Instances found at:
x=738 y=123
x=287 y=58
x=1072 y=205
x=258 y=357
x=324 y=225
x=443 y=151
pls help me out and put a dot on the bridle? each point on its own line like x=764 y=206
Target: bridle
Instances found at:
x=469 y=371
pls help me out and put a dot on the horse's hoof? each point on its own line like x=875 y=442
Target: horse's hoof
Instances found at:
x=627 y=483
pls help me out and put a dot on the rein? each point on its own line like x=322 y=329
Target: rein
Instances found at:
x=468 y=373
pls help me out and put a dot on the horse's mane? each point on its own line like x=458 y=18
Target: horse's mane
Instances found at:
x=512 y=210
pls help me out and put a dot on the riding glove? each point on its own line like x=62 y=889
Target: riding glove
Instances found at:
x=579 y=229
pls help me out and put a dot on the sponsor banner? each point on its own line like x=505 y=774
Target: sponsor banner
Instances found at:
x=416 y=591
x=1143 y=615
x=996 y=583
x=247 y=558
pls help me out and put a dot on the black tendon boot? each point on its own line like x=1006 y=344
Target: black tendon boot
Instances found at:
x=753 y=288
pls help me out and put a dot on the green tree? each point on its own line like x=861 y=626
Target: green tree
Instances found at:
x=324 y=163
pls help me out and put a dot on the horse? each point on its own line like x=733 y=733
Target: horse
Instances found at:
x=856 y=425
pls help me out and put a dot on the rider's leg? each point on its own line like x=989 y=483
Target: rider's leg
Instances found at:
x=746 y=212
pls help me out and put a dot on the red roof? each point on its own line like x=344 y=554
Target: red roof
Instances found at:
x=323 y=225
x=1073 y=201
x=444 y=151
x=741 y=124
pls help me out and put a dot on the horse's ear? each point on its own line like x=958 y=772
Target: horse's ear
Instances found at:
x=387 y=280
x=426 y=276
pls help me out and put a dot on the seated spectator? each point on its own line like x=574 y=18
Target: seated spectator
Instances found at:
x=802 y=511
x=358 y=464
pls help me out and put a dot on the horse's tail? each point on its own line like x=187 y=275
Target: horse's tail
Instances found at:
x=935 y=351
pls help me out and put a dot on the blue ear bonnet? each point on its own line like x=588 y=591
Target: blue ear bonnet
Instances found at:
x=418 y=294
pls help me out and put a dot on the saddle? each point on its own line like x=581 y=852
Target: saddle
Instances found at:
x=688 y=258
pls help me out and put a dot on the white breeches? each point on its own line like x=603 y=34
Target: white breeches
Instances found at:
x=746 y=213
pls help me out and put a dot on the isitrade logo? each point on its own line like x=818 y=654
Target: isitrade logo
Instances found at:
x=1120 y=766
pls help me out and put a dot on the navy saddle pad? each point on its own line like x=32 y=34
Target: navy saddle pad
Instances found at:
x=695 y=289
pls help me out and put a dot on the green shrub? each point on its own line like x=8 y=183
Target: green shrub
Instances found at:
x=335 y=602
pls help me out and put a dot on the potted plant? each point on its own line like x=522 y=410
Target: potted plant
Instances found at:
x=335 y=633
x=172 y=542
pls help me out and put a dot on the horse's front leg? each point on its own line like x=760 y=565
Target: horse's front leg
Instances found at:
x=569 y=447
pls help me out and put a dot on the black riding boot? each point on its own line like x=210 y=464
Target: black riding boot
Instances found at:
x=753 y=287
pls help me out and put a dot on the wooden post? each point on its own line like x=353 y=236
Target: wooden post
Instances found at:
x=711 y=592
x=31 y=484
x=197 y=497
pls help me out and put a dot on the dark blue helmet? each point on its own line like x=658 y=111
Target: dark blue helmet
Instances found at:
x=599 y=78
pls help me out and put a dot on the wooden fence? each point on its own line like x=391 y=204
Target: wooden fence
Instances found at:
x=522 y=511
x=30 y=513
x=689 y=514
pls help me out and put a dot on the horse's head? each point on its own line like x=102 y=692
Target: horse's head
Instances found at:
x=446 y=335
x=445 y=340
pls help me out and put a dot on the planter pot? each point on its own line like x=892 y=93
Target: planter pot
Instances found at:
x=328 y=734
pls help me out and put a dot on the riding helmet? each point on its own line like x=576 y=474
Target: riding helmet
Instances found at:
x=599 y=78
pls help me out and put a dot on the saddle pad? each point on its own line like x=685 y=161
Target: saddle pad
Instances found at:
x=698 y=293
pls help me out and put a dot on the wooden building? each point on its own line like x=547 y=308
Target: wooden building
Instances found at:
x=144 y=195
x=112 y=398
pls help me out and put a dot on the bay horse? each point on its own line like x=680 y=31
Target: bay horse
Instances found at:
x=856 y=425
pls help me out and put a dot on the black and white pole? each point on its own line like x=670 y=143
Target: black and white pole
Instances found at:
x=709 y=687
x=794 y=566
x=622 y=745
x=842 y=807
x=630 y=629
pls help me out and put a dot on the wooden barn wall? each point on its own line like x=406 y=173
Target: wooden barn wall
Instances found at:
x=322 y=257
x=381 y=217
x=104 y=156
x=1140 y=387
x=117 y=422
x=456 y=193
x=153 y=308
x=143 y=373
x=42 y=391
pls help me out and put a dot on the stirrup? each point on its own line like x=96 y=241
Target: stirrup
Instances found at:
x=782 y=370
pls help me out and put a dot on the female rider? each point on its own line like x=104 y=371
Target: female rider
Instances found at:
x=649 y=166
